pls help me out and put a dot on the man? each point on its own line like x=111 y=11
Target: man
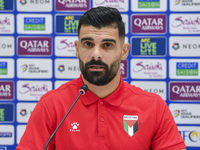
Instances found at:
x=112 y=115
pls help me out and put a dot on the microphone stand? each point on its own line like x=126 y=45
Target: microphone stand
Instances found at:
x=51 y=137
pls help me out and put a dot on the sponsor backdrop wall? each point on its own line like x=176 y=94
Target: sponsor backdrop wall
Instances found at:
x=37 y=54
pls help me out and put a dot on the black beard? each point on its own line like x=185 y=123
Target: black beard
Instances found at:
x=99 y=78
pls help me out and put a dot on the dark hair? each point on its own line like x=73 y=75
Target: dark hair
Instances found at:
x=103 y=17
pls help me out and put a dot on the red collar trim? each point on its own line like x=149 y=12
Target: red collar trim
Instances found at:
x=114 y=98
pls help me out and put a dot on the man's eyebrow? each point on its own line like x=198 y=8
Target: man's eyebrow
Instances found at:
x=86 y=38
x=109 y=40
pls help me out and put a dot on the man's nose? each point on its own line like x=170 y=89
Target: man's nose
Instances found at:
x=96 y=53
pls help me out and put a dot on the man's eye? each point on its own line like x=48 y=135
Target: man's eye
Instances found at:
x=107 y=45
x=88 y=44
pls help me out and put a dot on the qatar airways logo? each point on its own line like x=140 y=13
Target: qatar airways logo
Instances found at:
x=65 y=2
x=6 y=90
x=72 y=5
x=148 y=68
x=34 y=46
x=148 y=24
x=185 y=91
x=100 y=2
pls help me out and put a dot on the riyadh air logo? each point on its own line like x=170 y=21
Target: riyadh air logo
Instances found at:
x=177 y=2
x=176 y=113
x=175 y=46
x=23 y=112
x=61 y=68
x=23 y=2
x=130 y=124
x=75 y=127
x=24 y=67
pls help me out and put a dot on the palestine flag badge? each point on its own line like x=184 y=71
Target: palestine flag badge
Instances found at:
x=130 y=124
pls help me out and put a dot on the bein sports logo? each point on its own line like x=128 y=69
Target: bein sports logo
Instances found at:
x=100 y=2
x=175 y=46
x=23 y=2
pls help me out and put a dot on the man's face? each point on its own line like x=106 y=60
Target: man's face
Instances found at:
x=99 y=52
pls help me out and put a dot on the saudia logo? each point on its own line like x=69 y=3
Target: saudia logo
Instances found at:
x=189 y=22
x=100 y=2
x=27 y=88
x=5 y=21
x=64 y=44
x=141 y=67
x=71 y=25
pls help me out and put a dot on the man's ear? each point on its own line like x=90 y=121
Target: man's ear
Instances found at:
x=76 y=46
x=125 y=51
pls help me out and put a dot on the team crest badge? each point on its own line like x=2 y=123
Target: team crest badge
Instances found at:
x=130 y=124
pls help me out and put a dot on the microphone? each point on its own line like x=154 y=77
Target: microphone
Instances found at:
x=83 y=89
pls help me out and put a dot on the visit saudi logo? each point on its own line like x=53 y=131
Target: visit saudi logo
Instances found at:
x=130 y=124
